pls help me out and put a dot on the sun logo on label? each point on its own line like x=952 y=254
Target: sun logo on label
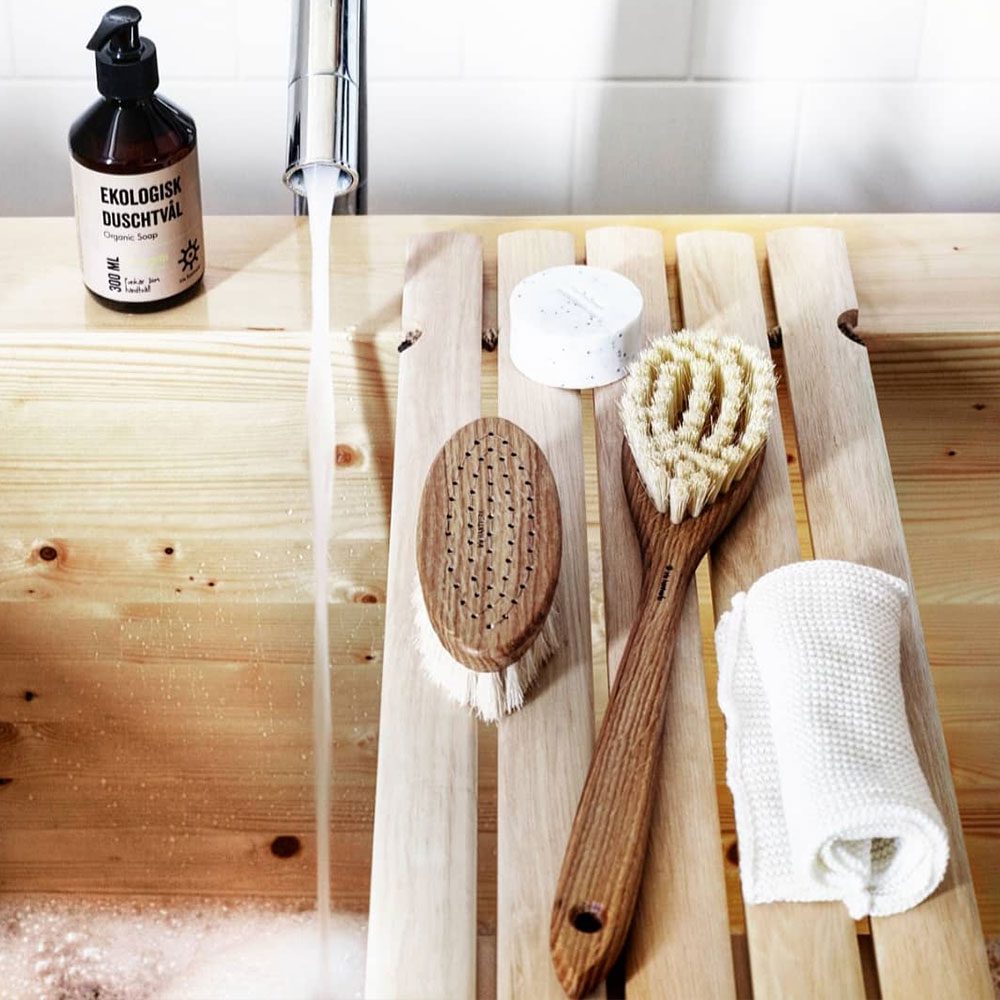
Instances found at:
x=189 y=256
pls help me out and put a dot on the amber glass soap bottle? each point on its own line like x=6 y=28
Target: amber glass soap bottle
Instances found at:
x=135 y=179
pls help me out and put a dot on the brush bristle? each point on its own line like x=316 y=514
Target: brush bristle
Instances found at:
x=491 y=695
x=696 y=408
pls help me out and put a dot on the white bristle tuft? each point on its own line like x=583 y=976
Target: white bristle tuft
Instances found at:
x=696 y=408
x=490 y=694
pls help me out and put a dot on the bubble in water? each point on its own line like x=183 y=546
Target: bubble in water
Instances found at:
x=57 y=950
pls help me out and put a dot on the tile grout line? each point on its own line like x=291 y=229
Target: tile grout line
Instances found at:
x=8 y=26
x=918 y=62
x=574 y=150
x=666 y=83
x=793 y=179
x=696 y=5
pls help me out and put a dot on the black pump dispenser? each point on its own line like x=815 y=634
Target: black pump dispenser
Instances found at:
x=126 y=63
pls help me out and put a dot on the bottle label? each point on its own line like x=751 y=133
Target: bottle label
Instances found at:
x=140 y=235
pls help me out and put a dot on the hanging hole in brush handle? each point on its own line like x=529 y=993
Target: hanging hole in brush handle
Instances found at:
x=606 y=852
x=588 y=919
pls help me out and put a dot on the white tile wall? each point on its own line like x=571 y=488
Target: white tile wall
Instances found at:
x=6 y=52
x=50 y=37
x=578 y=39
x=961 y=40
x=777 y=39
x=466 y=146
x=242 y=125
x=642 y=146
x=894 y=147
x=34 y=170
x=263 y=39
x=415 y=39
x=558 y=105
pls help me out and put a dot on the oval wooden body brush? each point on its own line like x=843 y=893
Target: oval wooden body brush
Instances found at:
x=489 y=547
x=695 y=409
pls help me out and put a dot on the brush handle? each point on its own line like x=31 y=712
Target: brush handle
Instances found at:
x=603 y=864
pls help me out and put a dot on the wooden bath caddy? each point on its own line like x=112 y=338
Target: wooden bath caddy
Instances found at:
x=423 y=932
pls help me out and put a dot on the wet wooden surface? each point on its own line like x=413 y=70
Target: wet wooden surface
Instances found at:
x=154 y=704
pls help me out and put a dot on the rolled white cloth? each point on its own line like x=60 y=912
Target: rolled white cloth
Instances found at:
x=830 y=799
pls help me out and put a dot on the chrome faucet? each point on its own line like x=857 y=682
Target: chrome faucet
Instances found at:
x=327 y=118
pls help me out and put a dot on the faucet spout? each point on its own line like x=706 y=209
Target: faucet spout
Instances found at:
x=327 y=120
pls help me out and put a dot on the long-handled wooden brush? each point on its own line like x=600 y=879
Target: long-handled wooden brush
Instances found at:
x=695 y=409
x=489 y=546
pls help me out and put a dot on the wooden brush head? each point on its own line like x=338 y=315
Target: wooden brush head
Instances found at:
x=489 y=543
x=689 y=539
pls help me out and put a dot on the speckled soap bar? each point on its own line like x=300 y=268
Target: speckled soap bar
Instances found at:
x=575 y=327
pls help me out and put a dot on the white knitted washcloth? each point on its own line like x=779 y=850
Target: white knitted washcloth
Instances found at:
x=830 y=799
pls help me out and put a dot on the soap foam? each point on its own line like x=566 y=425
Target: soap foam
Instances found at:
x=203 y=950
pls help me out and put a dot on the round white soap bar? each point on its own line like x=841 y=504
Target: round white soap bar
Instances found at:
x=575 y=327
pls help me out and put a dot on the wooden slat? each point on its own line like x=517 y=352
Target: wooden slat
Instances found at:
x=638 y=254
x=795 y=950
x=935 y=949
x=543 y=750
x=422 y=923
x=680 y=933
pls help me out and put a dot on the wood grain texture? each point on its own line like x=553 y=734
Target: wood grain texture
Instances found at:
x=422 y=916
x=680 y=932
x=489 y=543
x=543 y=750
x=174 y=684
x=606 y=853
x=793 y=949
x=915 y=274
x=853 y=515
x=185 y=428
x=159 y=753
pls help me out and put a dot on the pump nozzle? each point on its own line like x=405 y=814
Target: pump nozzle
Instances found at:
x=119 y=30
x=126 y=63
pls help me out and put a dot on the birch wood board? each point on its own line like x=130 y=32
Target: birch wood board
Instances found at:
x=915 y=274
x=542 y=751
x=155 y=732
x=853 y=515
x=792 y=948
x=155 y=666
x=680 y=933
x=422 y=917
